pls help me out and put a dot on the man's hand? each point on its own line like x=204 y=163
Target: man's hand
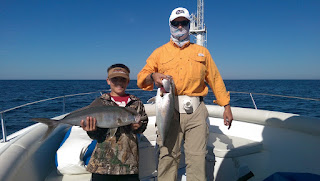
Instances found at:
x=227 y=116
x=89 y=124
x=156 y=78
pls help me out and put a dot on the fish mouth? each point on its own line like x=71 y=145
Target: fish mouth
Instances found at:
x=163 y=91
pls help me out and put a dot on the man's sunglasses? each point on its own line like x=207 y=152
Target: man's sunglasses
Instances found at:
x=182 y=23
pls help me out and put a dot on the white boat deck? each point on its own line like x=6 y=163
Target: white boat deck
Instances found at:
x=263 y=142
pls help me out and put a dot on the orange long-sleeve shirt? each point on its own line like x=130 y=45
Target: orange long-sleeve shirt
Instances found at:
x=190 y=66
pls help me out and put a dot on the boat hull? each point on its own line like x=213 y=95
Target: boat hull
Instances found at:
x=261 y=142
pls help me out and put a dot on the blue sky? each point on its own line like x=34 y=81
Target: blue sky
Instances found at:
x=79 y=39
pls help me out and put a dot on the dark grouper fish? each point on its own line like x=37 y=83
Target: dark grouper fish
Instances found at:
x=107 y=117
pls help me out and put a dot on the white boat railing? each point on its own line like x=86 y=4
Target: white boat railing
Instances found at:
x=3 y=124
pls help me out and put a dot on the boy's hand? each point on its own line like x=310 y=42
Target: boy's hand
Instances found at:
x=135 y=126
x=89 y=125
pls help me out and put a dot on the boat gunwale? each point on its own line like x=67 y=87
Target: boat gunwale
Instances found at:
x=3 y=124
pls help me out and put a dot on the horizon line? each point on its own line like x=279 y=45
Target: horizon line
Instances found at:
x=135 y=79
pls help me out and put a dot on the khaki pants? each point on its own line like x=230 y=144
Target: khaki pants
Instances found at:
x=193 y=129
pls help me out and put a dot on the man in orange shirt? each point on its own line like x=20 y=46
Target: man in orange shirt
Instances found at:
x=191 y=67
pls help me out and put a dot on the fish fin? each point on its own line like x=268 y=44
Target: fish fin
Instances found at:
x=51 y=123
x=139 y=109
x=113 y=131
x=131 y=110
x=45 y=136
x=152 y=100
x=137 y=118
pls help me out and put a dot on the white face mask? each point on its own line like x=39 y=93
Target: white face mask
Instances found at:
x=180 y=36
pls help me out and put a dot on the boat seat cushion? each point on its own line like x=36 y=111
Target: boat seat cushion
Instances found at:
x=55 y=176
x=74 y=152
x=225 y=146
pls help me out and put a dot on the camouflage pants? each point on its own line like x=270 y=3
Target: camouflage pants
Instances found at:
x=193 y=129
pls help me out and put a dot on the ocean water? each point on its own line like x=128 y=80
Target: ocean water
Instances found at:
x=19 y=92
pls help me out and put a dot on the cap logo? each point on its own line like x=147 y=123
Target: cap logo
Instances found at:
x=179 y=11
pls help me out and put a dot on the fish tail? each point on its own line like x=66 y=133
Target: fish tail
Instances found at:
x=51 y=123
x=113 y=131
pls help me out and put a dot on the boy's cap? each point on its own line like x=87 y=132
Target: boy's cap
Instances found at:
x=118 y=72
x=179 y=12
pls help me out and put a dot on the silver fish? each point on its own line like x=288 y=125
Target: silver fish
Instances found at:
x=165 y=106
x=106 y=116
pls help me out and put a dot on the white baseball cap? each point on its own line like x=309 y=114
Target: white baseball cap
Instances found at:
x=179 y=12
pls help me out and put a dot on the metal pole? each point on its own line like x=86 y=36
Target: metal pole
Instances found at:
x=4 y=131
x=255 y=106
x=64 y=105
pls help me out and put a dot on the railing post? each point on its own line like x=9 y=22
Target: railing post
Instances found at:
x=255 y=106
x=4 y=131
x=64 y=104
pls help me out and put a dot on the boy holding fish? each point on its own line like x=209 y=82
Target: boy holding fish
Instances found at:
x=116 y=155
x=191 y=67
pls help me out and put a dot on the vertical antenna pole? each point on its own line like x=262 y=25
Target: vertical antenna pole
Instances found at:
x=4 y=131
x=64 y=105
x=197 y=27
x=255 y=106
